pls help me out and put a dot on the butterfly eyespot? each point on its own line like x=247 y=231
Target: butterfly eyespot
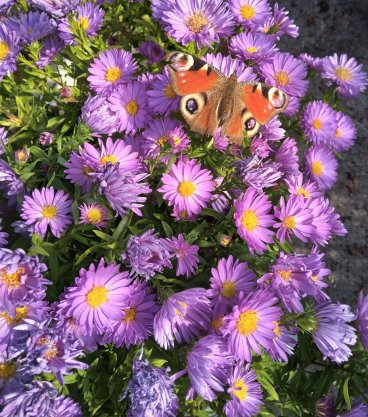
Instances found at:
x=250 y=124
x=191 y=106
x=277 y=98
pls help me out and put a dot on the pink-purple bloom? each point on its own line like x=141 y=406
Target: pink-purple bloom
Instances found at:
x=251 y=324
x=94 y=214
x=97 y=114
x=52 y=45
x=111 y=69
x=182 y=317
x=287 y=157
x=253 y=219
x=250 y=13
x=253 y=46
x=345 y=133
x=280 y=24
x=47 y=208
x=9 y=41
x=186 y=255
x=31 y=26
x=152 y=51
x=362 y=318
x=321 y=166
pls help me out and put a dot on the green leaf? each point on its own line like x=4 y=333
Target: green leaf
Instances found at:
x=167 y=229
x=345 y=392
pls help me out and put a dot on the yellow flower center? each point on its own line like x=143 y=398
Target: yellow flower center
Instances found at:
x=83 y=22
x=225 y=240
x=303 y=191
x=285 y=275
x=247 y=323
x=112 y=74
x=183 y=214
x=186 y=189
x=109 y=159
x=197 y=22
x=252 y=49
x=276 y=330
x=7 y=370
x=22 y=155
x=20 y=314
x=343 y=73
x=169 y=92
x=282 y=78
x=49 y=212
x=96 y=296
x=178 y=312
x=228 y=289
x=216 y=323
x=12 y=280
x=177 y=140
x=289 y=222
x=94 y=216
x=247 y=12
x=317 y=168
x=129 y=315
x=162 y=140
x=314 y=278
x=338 y=133
x=4 y=50
x=249 y=220
x=240 y=389
x=132 y=107
x=51 y=353
x=317 y=124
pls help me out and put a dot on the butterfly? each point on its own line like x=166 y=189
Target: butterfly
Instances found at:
x=211 y=100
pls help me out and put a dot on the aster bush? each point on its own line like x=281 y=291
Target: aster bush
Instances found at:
x=150 y=271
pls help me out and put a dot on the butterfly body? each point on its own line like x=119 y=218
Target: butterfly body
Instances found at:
x=211 y=100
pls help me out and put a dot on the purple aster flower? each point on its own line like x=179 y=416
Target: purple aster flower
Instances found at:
x=293 y=106
x=286 y=156
x=362 y=318
x=245 y=393
x=227 y=281
x=21 y=155
x=57 y=8
x=22 y=229
x=31 y=26
x=3 y=139
x=52 y=45
x=200 y=21
x=331 y=333
x=279 y=24
x=66 y=407
x=251 y=324
x=185 y=254
x=87 y=17
x=319 y=123
x=178 y=139
x=111 y=69
x=283 y=343
x=257 y=173
x=151 y=392
x=152 y=51
x=137 y=323
x=156 y=135
x=250 y=13
x=6 y=5
x=99 y=297
x=162 y=98
x=208 y=364
x=295 y=218
x=321 y=166
x=46 y=138
x=337 y=228
x=221 y=200
x=122 y=189
x=311 y=61
x=182 y=317
x=297 y=185
x=38 y=396
x=47 y=208
x=360 y=410
x=3 y=236
x=147 y=254
x=9 y=50
x=220 y=142
x=78 y=171
x=229 y=66
x=187 y=186
x=272 y=131
x=345 y=133
x=346 y=73
x=94 y=214
x=130 y=104
x=20 y=277
x=321 y=220
x=253 y=218
x=260 y=147
x=325 y=407
x=287 y=73
x=98 y=116
x=253 y=46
